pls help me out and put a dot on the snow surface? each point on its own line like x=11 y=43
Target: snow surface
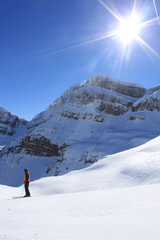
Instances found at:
x=117 y=198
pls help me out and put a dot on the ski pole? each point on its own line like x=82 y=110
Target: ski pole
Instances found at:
x=22 y=190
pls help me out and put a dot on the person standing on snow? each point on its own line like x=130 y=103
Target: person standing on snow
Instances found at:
x=26 y=182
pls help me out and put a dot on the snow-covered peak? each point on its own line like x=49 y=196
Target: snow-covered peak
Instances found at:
x=149 y=102
x=100 y=78
x=156 y=95
x=126 y=88
x=9 y=125
x=7 y=114
x=2 y=109
x=97 y=88
x=154 y=89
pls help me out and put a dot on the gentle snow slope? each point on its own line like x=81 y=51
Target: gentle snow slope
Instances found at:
x=140 y=165
x=92 y=204
x=113 y=214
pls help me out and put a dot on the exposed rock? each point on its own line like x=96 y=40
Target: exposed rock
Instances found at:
x=9 y=123
x=154 y=89
x=84 y=116
x=115 y=105
x=6 y=131
x=133 y=117
x=129 y=89
x=37 y=146
x=90 y=158
x=150 y=103
x=10 y=119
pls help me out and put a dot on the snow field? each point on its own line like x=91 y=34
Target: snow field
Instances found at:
x=117 y=198
x=126 y=213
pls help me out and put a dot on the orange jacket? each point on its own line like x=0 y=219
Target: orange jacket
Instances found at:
x=27 y=177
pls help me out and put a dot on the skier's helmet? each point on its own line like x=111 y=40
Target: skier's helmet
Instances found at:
x=25 y=170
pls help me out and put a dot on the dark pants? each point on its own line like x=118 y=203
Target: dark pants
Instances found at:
x=27 y=188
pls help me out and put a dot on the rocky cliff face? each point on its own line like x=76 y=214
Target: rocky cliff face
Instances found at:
x=90 y=120
x=9 y=125
x=148 y=102
x=129 y=89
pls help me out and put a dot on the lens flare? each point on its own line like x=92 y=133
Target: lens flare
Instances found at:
x=155 y=7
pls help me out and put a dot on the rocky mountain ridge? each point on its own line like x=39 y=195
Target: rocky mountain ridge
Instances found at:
x=10 y=124
x=92 y=119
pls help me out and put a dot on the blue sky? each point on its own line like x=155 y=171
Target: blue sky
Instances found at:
x=48 y=45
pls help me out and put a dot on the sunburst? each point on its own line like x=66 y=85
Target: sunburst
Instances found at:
x=127 y=31
x=130 y=28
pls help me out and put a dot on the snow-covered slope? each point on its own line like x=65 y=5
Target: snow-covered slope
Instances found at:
x=134 y=167
x=99 y=117
x=115 y=198
x=127 y=214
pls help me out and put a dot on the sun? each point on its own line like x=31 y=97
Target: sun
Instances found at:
x=129 y=29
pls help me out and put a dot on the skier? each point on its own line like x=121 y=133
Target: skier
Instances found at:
x=26 y=182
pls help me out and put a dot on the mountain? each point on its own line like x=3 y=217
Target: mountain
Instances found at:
x=99 y=117
x=10 y=126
